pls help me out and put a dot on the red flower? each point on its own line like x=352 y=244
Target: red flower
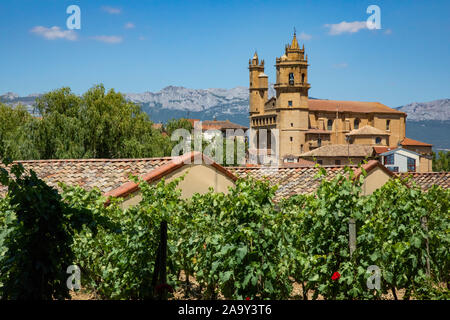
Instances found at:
x=335 y=276
x=247 y=298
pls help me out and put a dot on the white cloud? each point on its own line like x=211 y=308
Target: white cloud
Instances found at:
x=108 y=39
x=388 y=31
x=305 y=36
x=346 y=27
x=142 y=38
x=129 y=25
x=54 y=33
x=340 y=65
x=111 y=10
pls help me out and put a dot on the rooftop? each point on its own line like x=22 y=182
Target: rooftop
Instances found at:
x=411 y=142
x=298 y=179
x=341 y=150
x=110 y=176
x=217 y=124
x=425 y=180
x=350 y=106
x=368 y=131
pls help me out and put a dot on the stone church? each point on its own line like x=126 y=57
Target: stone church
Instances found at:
x=307 y=126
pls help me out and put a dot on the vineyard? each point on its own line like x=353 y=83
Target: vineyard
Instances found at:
x=240 y=245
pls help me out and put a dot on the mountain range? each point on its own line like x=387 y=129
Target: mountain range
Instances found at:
x=427 y=121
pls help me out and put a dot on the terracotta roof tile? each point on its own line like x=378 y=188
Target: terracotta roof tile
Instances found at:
x=108 y=175
x=105 y=174
x=367 y=131
x=427 y=179
x=291 y=180
x=411 y=142
x=341 y=150
x=382 y=149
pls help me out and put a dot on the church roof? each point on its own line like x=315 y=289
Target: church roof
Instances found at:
x=350 y=106
x=368 y=131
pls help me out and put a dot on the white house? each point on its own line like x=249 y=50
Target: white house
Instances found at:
x=401 y=160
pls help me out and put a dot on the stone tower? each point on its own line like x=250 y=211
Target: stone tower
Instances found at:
x=259 y=85
x=287 y=112
x=292 y=99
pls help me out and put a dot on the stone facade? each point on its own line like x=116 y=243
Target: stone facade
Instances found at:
x=305 y=124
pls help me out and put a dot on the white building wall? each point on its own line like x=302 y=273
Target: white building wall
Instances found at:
x=401 y=160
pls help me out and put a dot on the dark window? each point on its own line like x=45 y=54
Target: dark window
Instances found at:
x=303 y=77
x=394 y=169
x=330 y=125
x=377 y=140
x=411 y=165
x=388 y=125
x=292 y=124
x=319 y=161
x=337 y=162
x=389 y=159
x=290 y=103
x=301 y=148
x=291 y=78
x=356 y=124
x=291 y=138
x=319 y=142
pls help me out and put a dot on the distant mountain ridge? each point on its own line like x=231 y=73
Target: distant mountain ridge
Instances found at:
x=427 y=121
x=225 y=102
x=433 y=110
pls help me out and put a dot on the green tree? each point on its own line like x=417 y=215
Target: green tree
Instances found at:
x=441 y=163
x=15 y=133
x=98 y=124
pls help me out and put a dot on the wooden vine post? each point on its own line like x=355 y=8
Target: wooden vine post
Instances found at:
x=352 y=236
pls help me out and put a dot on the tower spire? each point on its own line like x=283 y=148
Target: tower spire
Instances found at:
x=294 y=44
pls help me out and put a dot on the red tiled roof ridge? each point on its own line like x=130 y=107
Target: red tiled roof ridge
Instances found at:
x=94 y=160
x=411 y=142
x=370 y=165
x=156 y=174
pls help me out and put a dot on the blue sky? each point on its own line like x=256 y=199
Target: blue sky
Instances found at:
x=137 y=46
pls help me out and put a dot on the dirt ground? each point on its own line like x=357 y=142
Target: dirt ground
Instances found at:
x=197 y=293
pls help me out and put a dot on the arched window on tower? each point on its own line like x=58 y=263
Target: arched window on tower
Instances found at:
x=356 y=124
x=291 y=79
x=303 y=78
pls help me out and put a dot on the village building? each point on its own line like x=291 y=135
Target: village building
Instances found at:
x=226 y=127
x=404 y=160
x=112 y=176
x=305 y=125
